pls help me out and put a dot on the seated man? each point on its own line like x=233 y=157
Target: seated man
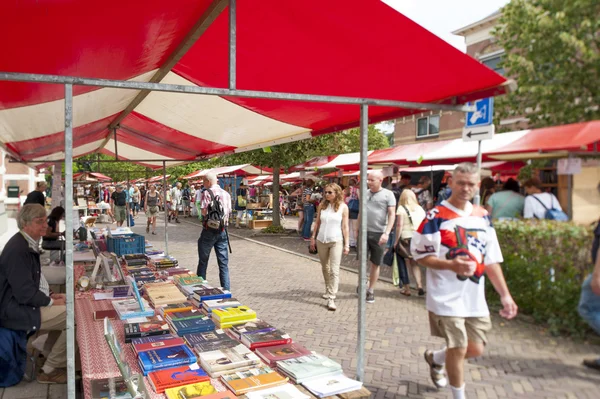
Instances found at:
x=26 y=303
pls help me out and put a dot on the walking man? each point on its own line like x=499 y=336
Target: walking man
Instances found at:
x=177 y=198
x=214 y=236
x=457 y=244
x=118 y=202
x=381 y=214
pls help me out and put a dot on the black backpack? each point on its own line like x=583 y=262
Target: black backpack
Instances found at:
x=215 y=215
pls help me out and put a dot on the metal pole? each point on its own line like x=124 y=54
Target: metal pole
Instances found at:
x=477 y=198
x=232 y=43
x=362 y=272
x=116 y=149
x=127 y=196
x=569 y=194
x=431 y=176
x=166 y=211
x=69 y=241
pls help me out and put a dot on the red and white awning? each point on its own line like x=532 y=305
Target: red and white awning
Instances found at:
x=282 y=46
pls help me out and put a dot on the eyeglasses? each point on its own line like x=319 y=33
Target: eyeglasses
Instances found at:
x=329 y=192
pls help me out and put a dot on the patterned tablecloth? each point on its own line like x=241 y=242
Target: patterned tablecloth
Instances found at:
x=97 y=361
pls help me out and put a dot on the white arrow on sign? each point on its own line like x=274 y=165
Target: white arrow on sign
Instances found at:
x=478 y=133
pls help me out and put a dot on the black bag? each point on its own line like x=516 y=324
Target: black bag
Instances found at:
x=311 y=251
x=388 y=258
x=215 y=215
x=403 y=247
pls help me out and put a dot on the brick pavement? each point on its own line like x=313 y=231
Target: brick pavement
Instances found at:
x=285 y=289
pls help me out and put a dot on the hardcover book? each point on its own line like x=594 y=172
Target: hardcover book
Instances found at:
x=238 y=313
x=207 y=293
x=130 y=308
x=155 y=326
x=304 y=368
x=101 y=389
x=188 y=314
x=193 y=325
x=165 y=343
x=261 y=339
x=219 y=361
x=220 y=303
x=242 y=382
x=285 y=391
x=176 y=377
x=175 y=307
x=166 y=358
x=102 y=314
x=273 y=354
x=191 y=391
x=250 y=328
x=188 y=280
x=147 y=340
x=208 y=336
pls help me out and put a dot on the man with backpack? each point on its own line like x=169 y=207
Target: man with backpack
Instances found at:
x=541 y=205
x=216 y=208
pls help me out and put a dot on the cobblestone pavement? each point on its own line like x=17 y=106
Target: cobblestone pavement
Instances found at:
x=285 y=289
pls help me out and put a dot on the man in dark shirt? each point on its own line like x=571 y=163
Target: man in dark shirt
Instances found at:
x=118 y=202
x=37 y=195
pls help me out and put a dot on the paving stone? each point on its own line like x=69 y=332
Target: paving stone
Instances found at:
x=26 y=390
x=57 y=391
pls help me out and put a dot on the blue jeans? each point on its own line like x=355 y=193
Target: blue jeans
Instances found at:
x=402 y=271
x=209 y=239
x=309 y=215
x=589 y=305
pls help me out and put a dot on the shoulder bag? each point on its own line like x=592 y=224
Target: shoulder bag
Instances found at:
x=403 y=247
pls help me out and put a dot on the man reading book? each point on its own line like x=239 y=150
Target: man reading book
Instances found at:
x=26 y=303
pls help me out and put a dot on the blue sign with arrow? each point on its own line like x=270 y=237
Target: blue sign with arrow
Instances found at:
x=484 y=114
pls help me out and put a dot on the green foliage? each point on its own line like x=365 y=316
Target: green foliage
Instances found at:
x=552 y=49
x=274 y=230
x=119 y=171
x=545 y=263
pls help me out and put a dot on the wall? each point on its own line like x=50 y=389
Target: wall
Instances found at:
x=586 y=199
x=451 y=124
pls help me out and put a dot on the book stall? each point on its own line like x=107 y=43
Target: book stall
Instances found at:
x=148 y=328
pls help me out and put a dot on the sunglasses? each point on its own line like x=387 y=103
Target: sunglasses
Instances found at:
x=329 y=192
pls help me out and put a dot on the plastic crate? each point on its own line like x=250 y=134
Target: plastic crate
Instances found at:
x=132 y=244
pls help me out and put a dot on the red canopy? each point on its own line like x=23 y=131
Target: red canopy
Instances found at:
x=310 y=46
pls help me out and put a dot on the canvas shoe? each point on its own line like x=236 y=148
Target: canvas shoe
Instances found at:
x=331 y=305
x=325 y=296
x=370 y=297
x=436 y=371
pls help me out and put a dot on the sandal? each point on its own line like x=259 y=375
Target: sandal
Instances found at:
x=154 y=233
x=405 y=290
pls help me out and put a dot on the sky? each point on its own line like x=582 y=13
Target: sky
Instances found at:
x=444 y=16
x=441 y=17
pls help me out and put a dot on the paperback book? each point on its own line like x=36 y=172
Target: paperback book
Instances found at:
x=174 y=307
x=286 y=391
x=212 y=304
x=110 y=388
x=238 y=313
x=203 y=324
x=242 y=382
x=188 y=314
x=191 y=391
x=155 y=326
x=165 y=358
x=333 y=385
x=207 y=293
x=164 y=343
x=250 y=327
x=305 y=368
x=261 y=339
x=176 y=377
x=273 y=354
x=221 y=361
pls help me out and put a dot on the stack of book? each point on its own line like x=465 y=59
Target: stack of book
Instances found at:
x=174 y=308
x=163 y=262
x=160 y=294
x=165 y=358
x=149 y=343
x=258 y=334
x=131 y=308
x=188 y=291
x=135 y=259
x=227 y=361
x=273 y=354
x=154 y=252
x=194 y=325
x=205 y=293
x=310 y=367
x=333 y=385
x=242 y=382
x=154 y=326
x=176 y=377
x=197 y=390
x=228 y=317
x=181 y=281
x=209 y=305
x=210 y=341
x=174 y=271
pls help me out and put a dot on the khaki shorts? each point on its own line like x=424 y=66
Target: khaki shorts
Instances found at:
x=152 y=211
x=120 y=213
x=459 y=331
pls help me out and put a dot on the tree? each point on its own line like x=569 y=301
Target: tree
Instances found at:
x=552 y=49
x=118 y=171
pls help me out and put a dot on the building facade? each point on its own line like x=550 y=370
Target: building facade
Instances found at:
x=438 y=125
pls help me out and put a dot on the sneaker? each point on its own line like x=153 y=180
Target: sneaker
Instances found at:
x=592 y=363
x=58 y=376
x=421 y=292
x=436 y=371
x=370 y=297
x=331 y=305
x=325 y=296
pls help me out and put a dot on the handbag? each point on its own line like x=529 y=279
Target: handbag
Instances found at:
x=388 y=258
x=311 y=251
x=241 y=201
x=403 y=246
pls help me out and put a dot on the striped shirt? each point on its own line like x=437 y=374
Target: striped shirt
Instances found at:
x=33 y=244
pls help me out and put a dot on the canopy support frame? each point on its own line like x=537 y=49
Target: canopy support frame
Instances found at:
x=164 y=189
x=232 y=44
x=362 y=245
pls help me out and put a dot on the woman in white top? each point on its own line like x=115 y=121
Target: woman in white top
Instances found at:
x=409 y=217
x=331 y=232
x=538 y=202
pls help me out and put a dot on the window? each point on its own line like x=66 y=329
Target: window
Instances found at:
x=494 y=62
x=428 y=126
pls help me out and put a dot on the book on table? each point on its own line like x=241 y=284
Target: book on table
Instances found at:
x=188 y=290
x=191 y=391
x=332 y=385
x=186 y=315
x=207 y=293
x=261 y=339
x=161 y=343
x=166 y=296
x=162 y=380
x=221 y=361
x=273 y=354
x=164 y=358
x=222 y=395
x=154 y=326
x=308 y=367
x=250 y=327
x=211 y=304
x=151 y=339
x=100 y=315
x=241 y=382
x=285 y=391
x=234 y=314
x=226 y=325
x=130 y=308
x=188 y=280
x=210 y=341
x=174 y=307
x=109 y=388
x=203 y=324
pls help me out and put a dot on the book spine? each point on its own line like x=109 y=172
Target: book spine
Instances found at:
x=130 y=336
x=269 y=343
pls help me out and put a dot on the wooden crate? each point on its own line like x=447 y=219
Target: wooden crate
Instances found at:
x=260 y=224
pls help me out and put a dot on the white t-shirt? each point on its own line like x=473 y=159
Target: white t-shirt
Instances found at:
x=330 y=229
x=448 y=232
x=533 y=208
x=198 y=195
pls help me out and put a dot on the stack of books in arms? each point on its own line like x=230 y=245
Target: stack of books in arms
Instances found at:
x=287 y=391
x=228 y=317
x=227 y=361
x=209 y=341
x=333 y=385
x=165 y=358
x=205 y=293
x=149 y=343
x=161 y=294
x=273 y=354
x=195 y=325
x=242 y=382
x=211 y=304
x=155 y=326
x=258 y=334
x=309 y=367
x=176 y=377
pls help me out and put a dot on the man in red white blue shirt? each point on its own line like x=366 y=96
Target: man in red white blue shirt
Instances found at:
x=458 y=245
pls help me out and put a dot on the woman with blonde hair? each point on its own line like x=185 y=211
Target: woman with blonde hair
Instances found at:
x=409 y=217
x=330 y=239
